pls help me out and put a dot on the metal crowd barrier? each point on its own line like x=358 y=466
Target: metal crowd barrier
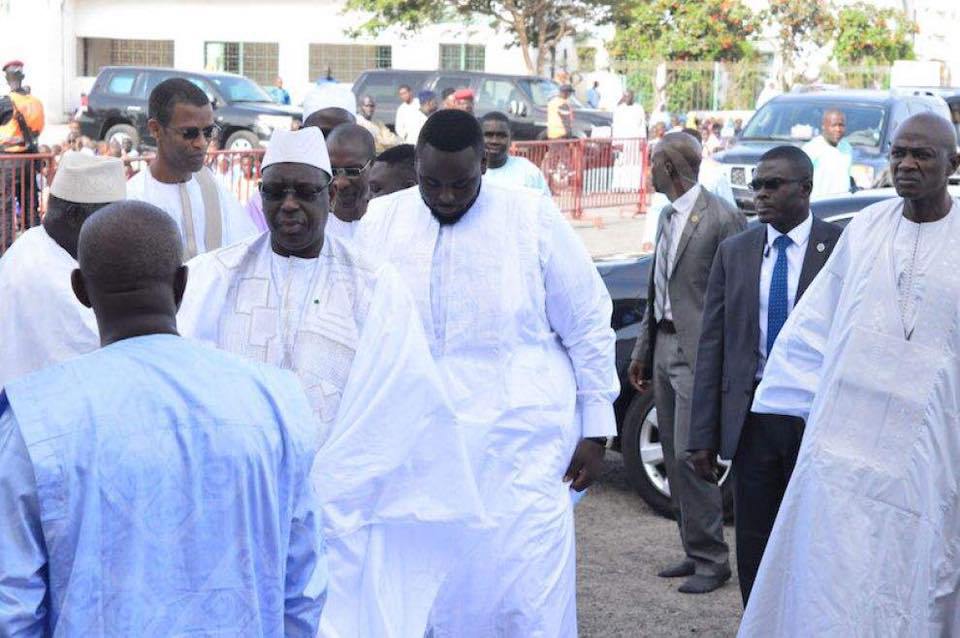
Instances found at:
x=582 y=174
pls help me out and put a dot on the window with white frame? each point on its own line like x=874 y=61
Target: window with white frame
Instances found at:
x=462 y=57
x=258 y=61
x=95 y=53
x=344 y=62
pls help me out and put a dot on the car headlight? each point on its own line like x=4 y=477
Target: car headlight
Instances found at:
x=863 y=175
x=267 y=123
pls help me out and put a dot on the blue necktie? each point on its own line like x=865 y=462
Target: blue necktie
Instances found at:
x=777 y=304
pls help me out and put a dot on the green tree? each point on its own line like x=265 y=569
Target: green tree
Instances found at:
x=537 y=26
x=868 y=35
x=707 y=30
x=799 y=26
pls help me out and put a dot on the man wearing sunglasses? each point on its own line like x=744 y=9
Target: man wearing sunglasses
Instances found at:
x=690 y=228
x=352 y=151
x=757 y=278
x=208 y=215
x=392 y=473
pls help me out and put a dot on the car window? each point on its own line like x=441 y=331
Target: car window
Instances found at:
x=496 y=95
x=153 y=79
x=121 y=82
x=383 y=87
x=450 y=82
x=541 y=91
x=238 y=89
x=800 y=121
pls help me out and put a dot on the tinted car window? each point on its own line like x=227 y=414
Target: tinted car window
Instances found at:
x=800 y=121
x=496 y=95
x=238 y=89
x=384 y=86
x=542 y=91
x=450 y=82
x=121 y=82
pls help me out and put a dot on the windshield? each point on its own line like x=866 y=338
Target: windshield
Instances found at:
x=542 y=91
x=800 y=121
x=240 y=89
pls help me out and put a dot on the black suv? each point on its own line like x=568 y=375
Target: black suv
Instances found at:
x=794 y=118
x=117 y=107
x=522 y=97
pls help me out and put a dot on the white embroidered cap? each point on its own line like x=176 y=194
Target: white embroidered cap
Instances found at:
x=86 y=179
x=305 y=146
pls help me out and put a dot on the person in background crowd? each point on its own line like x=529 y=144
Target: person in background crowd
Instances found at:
x=447 y=101
x=770 y=91
x=832 y=156
x=352 y=151
x=208 y=215
x=593 y=96
x=737 y=127
x=676 y=124
x=464 y=100
x=428 y=106
x=629 y=127
x=408 y=115
x=690 y=228
x=865 y=538
x=103 y=149
x=87 y=146
x=714 y=143
x=114 y=149
x=505 y=288
x=501 y=167
x=21 y=122
x=560 y=114
x=397 y=495
x=393 y=170
x=382 y=135
x=155 y=487
x=757 y=278
x=279 y=94
x=629 y=118
x=42 y=321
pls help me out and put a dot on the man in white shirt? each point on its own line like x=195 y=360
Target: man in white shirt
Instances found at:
x=865 y=542
x=519 y=322
x=207 y=214
x=408 y=113
x=352 y=151
x=41 y=321
x=503 y=168
x=757 y=278
x=832 y=156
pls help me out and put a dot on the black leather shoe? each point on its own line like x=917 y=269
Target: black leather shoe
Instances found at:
x=683 y=568
x=704 y=584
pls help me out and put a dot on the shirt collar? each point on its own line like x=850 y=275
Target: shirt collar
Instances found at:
x=685 y=203
x=799 y=235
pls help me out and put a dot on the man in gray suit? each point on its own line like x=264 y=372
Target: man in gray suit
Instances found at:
x=756 y=279
x=691 y=228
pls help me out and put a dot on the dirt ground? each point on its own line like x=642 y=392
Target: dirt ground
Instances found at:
x=621 y=544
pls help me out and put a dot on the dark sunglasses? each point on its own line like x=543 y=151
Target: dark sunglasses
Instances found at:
x=350 y=171
x=772 y=183
x=191 y=133
x=301 y=192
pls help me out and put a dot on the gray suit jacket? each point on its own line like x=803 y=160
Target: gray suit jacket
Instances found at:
x=711 y=221
x=729 y=350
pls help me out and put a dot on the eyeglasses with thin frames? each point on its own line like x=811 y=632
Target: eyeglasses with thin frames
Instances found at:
x=301 y=192
x=350 y=171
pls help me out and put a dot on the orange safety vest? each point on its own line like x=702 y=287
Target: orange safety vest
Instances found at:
x=30 y=110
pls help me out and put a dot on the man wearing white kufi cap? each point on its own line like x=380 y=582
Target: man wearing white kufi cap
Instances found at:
x=41 y=321
x=397 y=497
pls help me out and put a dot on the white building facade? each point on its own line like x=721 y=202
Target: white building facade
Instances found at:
x=64 y=43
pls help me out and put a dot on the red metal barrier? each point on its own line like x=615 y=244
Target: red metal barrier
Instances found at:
x=24 y=178
x=591 y=172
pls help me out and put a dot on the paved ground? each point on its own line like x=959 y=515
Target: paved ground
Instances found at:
x=612 y=232
x=621 y=544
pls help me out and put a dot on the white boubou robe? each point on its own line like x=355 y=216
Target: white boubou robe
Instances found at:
x=392 y=474
x=867 y=540
x=519 y=322
x=41 y=321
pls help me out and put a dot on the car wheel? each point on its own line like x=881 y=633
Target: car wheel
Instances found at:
x=242 y=141
x=643 y=459
x=119 y=133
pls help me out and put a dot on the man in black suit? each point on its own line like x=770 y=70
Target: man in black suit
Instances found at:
x=756 y=279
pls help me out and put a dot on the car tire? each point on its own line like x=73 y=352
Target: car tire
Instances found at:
x=643 y=459
x=242 y=141
x=119 y=132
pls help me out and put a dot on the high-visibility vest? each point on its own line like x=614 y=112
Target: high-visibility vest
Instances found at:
x=30 y=109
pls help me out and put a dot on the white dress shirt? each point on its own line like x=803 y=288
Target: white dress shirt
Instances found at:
x=682 y=207
x=795 y=252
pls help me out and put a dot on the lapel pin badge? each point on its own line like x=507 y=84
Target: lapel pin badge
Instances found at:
x=821 y=247
x=695 y=219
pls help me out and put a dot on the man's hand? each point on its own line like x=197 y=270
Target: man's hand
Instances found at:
x=636 y=376
x=586 y=465
x=705 y=465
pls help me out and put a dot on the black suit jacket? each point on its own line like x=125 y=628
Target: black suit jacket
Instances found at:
x=728 y=353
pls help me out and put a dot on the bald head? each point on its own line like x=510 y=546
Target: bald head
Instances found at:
x=352 y=137
x=922 y=158
x=329 y=118
x=929 y=128
x=683 y=152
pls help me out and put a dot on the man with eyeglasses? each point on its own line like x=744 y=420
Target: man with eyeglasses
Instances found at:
x=690 y=228
x=519 y=322
x=208 y=215
x=757 y=278
x=392 y=473
x=352 y=151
